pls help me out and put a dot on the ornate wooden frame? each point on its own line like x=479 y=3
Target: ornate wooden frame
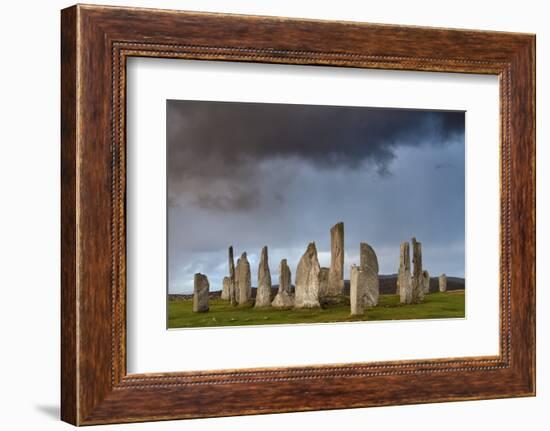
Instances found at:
x=95 y=43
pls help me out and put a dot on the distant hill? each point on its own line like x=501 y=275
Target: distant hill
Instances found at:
x=388 y=286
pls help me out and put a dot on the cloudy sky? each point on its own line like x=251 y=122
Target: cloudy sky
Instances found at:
x=255 y=174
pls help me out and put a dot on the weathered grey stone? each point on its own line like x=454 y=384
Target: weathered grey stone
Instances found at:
x=404 y=285
x=283 y=299
x=442 y=283
x=357 y=292
x=368 y=257
x=232 y=279
x=369 y=264
x=426 y=281
x=417 y=279
x=336 y=273
x=263 y=292
x=225 y=289
x=323 y=282
x=372 y=287
x=200 y=293
x=307 y=279
x=285 y=277
x=243 y=281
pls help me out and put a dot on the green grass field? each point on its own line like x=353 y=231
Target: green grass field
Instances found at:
x=221 y=313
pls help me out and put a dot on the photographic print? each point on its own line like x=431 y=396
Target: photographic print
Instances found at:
x=305 y=214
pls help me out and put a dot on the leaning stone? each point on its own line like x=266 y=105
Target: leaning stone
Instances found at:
x=200 y=293
x=283 y=299
x=336 y=273
x=225 y=289
x=369 y=264
x=307 y=279
x=404 y=286
x=426 y=282
x=357 y=292
x=263 y=292
x=368 y=257
x=243 y=281
x=417 y=280
x=442 y=283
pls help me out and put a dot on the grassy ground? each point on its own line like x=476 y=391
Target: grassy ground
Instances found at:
x=221 y=313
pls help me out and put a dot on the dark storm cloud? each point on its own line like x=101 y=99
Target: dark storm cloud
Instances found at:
x=214 y=146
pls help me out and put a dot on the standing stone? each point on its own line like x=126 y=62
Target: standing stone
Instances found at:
x=307 y=279
x=225 y=289
x=243 y=281
x=442 y=283
x=368 y=257
x=323 y=282
x=426 y=281
x=232 y=279
x=372 y=288
x=283 y=298
x=200 y=293
x=336 y=273
x=263 y=292
x=369 y=265
x=357 y=291
x=404 y=286
x=417 y=279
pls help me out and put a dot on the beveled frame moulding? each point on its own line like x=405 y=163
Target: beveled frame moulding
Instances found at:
x=95 y=43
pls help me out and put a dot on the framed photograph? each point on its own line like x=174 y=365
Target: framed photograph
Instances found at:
x=267 y=215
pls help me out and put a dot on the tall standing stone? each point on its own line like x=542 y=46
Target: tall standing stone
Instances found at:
x=357 y=290
x=263 y=292
x=283 y=299
x=426 y=281
x=369 y=265
x=336 y=273
x=225 y=289
x=442 y=283
x=243 y=280
x=232 y=279
x=417 y=279
x=307 y=279
x=200 y=293
x=404 y=286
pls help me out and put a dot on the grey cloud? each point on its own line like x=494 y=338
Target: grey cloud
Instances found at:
x=209 y=142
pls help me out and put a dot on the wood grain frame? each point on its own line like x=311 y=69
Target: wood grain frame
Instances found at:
x=95 y=44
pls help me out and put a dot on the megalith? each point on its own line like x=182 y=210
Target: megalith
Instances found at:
x=336 y=272
x=404 y=286
x=283 y=299
x=368 y=257
x=307 y=279
x=442 y=283
x=426 y=281
x=200 y=293
x=243 y=281
x=225 y=289
x=369 y=265
x=232 y=278
x=357 y=290
x=417 y=278
x=263 y=291
x=323 y=282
